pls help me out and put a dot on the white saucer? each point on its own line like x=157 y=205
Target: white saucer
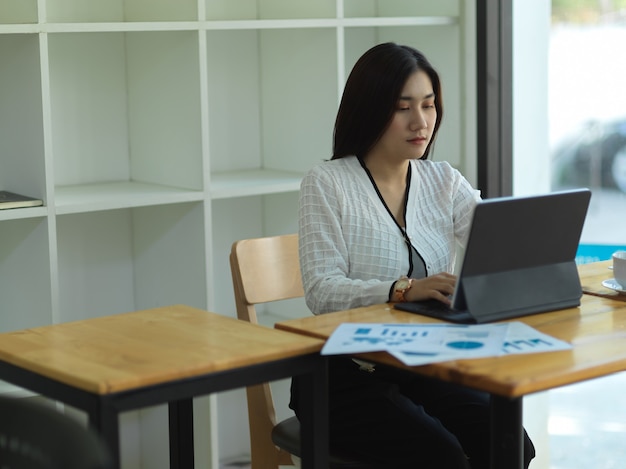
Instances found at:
x=613 y=285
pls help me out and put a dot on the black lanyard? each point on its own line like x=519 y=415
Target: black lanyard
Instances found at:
x=406 y=200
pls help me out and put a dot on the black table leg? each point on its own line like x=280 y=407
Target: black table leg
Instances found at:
x=181 y=434
x=314 y=418
x=105 y=420
x=507 y=434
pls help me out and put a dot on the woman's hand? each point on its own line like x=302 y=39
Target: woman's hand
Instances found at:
x=436 y=287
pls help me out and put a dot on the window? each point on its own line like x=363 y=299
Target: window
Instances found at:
x=569 y=130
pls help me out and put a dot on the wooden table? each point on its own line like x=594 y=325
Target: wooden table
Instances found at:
x=596 y=329
x=123 y=362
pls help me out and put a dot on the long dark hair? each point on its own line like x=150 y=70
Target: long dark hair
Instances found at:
x=371 y=95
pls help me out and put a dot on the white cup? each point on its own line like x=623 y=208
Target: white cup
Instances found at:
x=619 y=267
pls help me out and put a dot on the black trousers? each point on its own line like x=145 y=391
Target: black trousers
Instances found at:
x=398 y=420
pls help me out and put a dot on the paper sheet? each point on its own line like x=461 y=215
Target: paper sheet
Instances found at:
x=419 y=344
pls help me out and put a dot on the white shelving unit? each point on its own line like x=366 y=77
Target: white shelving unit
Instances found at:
x=158 y=132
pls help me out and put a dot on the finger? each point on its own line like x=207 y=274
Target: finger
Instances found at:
x=441 y=297
x=446 y=287
x=445 y=275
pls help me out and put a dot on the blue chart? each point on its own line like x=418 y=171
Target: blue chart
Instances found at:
x=424 y=343
x=465 y=344
x=389 y=336
x=420 y=344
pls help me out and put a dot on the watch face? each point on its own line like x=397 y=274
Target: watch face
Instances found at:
x=402 y=284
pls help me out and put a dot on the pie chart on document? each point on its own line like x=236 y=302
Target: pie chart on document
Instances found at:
x=465 y=344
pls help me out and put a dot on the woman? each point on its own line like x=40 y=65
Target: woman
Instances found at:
x=380 y=222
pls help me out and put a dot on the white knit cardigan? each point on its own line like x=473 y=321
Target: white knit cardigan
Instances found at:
x=351 y=250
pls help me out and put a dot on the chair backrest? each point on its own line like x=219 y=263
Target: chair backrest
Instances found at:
x=36 y=436
x=264 y=270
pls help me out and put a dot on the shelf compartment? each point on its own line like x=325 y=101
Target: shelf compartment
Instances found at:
x=79 y=11
x=391 y=8
x=123 y=260
x=117 y=195
x=269 y=9
x=400 y=21
x=276 y=24
x=25 y=271
x=297 y=119
x=229 y=184
x=22 y=168
x=18 y=11
x=129 y=26
x=262 y=117
x=126 y=106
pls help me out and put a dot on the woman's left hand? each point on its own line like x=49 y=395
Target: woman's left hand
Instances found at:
x=436 y=287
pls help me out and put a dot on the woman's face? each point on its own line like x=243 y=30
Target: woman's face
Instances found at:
x=412 y=124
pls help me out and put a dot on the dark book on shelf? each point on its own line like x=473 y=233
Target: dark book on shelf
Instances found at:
x=13 y=200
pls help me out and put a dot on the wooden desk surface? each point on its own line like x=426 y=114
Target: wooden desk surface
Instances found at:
x=597 y=329
x=131 y=350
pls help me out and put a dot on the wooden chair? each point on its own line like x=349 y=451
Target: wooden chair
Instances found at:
x=266 y=270
x=35 y=436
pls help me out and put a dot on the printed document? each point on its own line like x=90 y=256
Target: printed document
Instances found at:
x=420 y=344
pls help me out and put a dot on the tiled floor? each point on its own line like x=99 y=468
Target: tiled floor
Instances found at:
x=587 y=425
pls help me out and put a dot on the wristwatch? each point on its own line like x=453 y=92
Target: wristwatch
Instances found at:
x=401 y=287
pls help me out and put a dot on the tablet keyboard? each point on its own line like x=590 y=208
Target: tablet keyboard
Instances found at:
x=436 y=309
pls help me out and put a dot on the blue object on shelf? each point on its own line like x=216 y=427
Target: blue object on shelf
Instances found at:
x=596 y=252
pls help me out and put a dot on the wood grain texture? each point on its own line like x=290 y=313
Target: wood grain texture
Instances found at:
x=594 y=274
x=131 y=350
x=596 y=329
